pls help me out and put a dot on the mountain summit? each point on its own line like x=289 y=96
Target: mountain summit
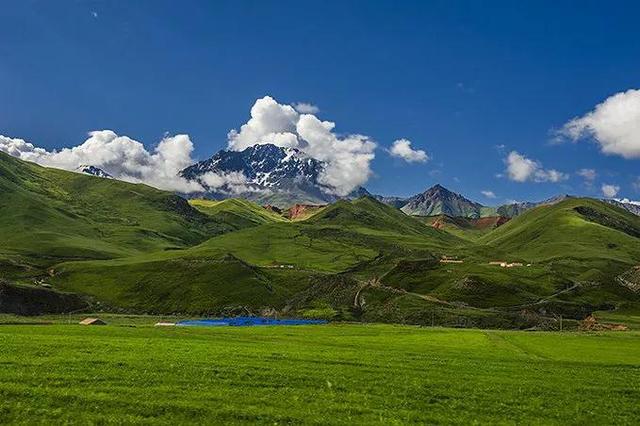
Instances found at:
x=439 y=200
x=266 y=174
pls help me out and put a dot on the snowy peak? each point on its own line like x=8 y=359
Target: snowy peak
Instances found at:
x=93 y=171
x=262 y=165
x=269 y=175
x=628 y=205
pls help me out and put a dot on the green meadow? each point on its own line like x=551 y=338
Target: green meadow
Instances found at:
x=332 y=374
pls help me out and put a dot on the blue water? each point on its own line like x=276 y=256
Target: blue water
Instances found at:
x=247 y=322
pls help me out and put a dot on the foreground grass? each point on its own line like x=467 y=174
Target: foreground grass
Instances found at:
x=315 y=374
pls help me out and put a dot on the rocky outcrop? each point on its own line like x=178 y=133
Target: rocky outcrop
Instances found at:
x=302 y=211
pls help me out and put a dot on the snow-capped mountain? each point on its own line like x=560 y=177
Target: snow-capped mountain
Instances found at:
x=266 y=174
x=93 y=171
x=630 y=206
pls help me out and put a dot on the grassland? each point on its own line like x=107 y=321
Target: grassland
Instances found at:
x=335 y=374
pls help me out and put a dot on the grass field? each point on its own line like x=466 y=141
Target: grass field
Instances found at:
x=334 y=374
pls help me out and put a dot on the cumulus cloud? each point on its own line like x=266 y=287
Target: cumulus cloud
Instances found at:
x=306 y=108
x=120 y=156
x=231 y=182
x=610 y=191
x=588 y=174
x=270 y=122
x=488 y=194
x=401 y=148
x=523 y=169
x=347 y=158
x=614 y=125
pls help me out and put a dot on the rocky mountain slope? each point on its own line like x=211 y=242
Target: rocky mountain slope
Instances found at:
x=630 y=206
x=93 y=171
x=439 y=200
x=265 y=174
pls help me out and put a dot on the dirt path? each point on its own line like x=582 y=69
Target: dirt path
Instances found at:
x=544 y=299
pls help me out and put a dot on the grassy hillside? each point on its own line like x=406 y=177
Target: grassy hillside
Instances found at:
x=49 y=215
x=133 y=247
x=577 y=228
x=192 y=285
x=282 y=257
x=300 y=265
x=366 y=214
x=571 y=254
x=464 y=227
x=235 y=214
x=356 y=374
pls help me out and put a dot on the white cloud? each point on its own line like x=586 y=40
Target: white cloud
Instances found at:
x=270 y=122
x=588 y=174
x=610 y=191
x=232 y=182
x=120 y=156
x=348 y=157
x=614 y=125
x=523 y=169
x=306 y=108
x=401 y=148
x=218 y=180
x=488 y=194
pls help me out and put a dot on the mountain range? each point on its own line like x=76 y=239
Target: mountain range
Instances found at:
x=70 y=240
x=282 y=177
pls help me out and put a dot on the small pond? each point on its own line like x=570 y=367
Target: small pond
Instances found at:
x=247 y=322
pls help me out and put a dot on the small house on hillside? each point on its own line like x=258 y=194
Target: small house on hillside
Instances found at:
x=92 y=321
x=450 y=259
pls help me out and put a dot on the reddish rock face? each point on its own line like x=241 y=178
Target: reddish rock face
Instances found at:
x=490 y=222
x=438 y=224
x=298 y=210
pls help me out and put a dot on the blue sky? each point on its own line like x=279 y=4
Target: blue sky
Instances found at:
x=467 y=82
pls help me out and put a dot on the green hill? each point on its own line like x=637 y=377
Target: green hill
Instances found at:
x=368 y=213
x=235 y=214
x=578 y=228
x=464 y=227
x=566 y=258
x=48 y=215
x=136 y=248
x=282 y=257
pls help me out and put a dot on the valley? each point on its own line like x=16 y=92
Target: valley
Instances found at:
x=131 y=248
